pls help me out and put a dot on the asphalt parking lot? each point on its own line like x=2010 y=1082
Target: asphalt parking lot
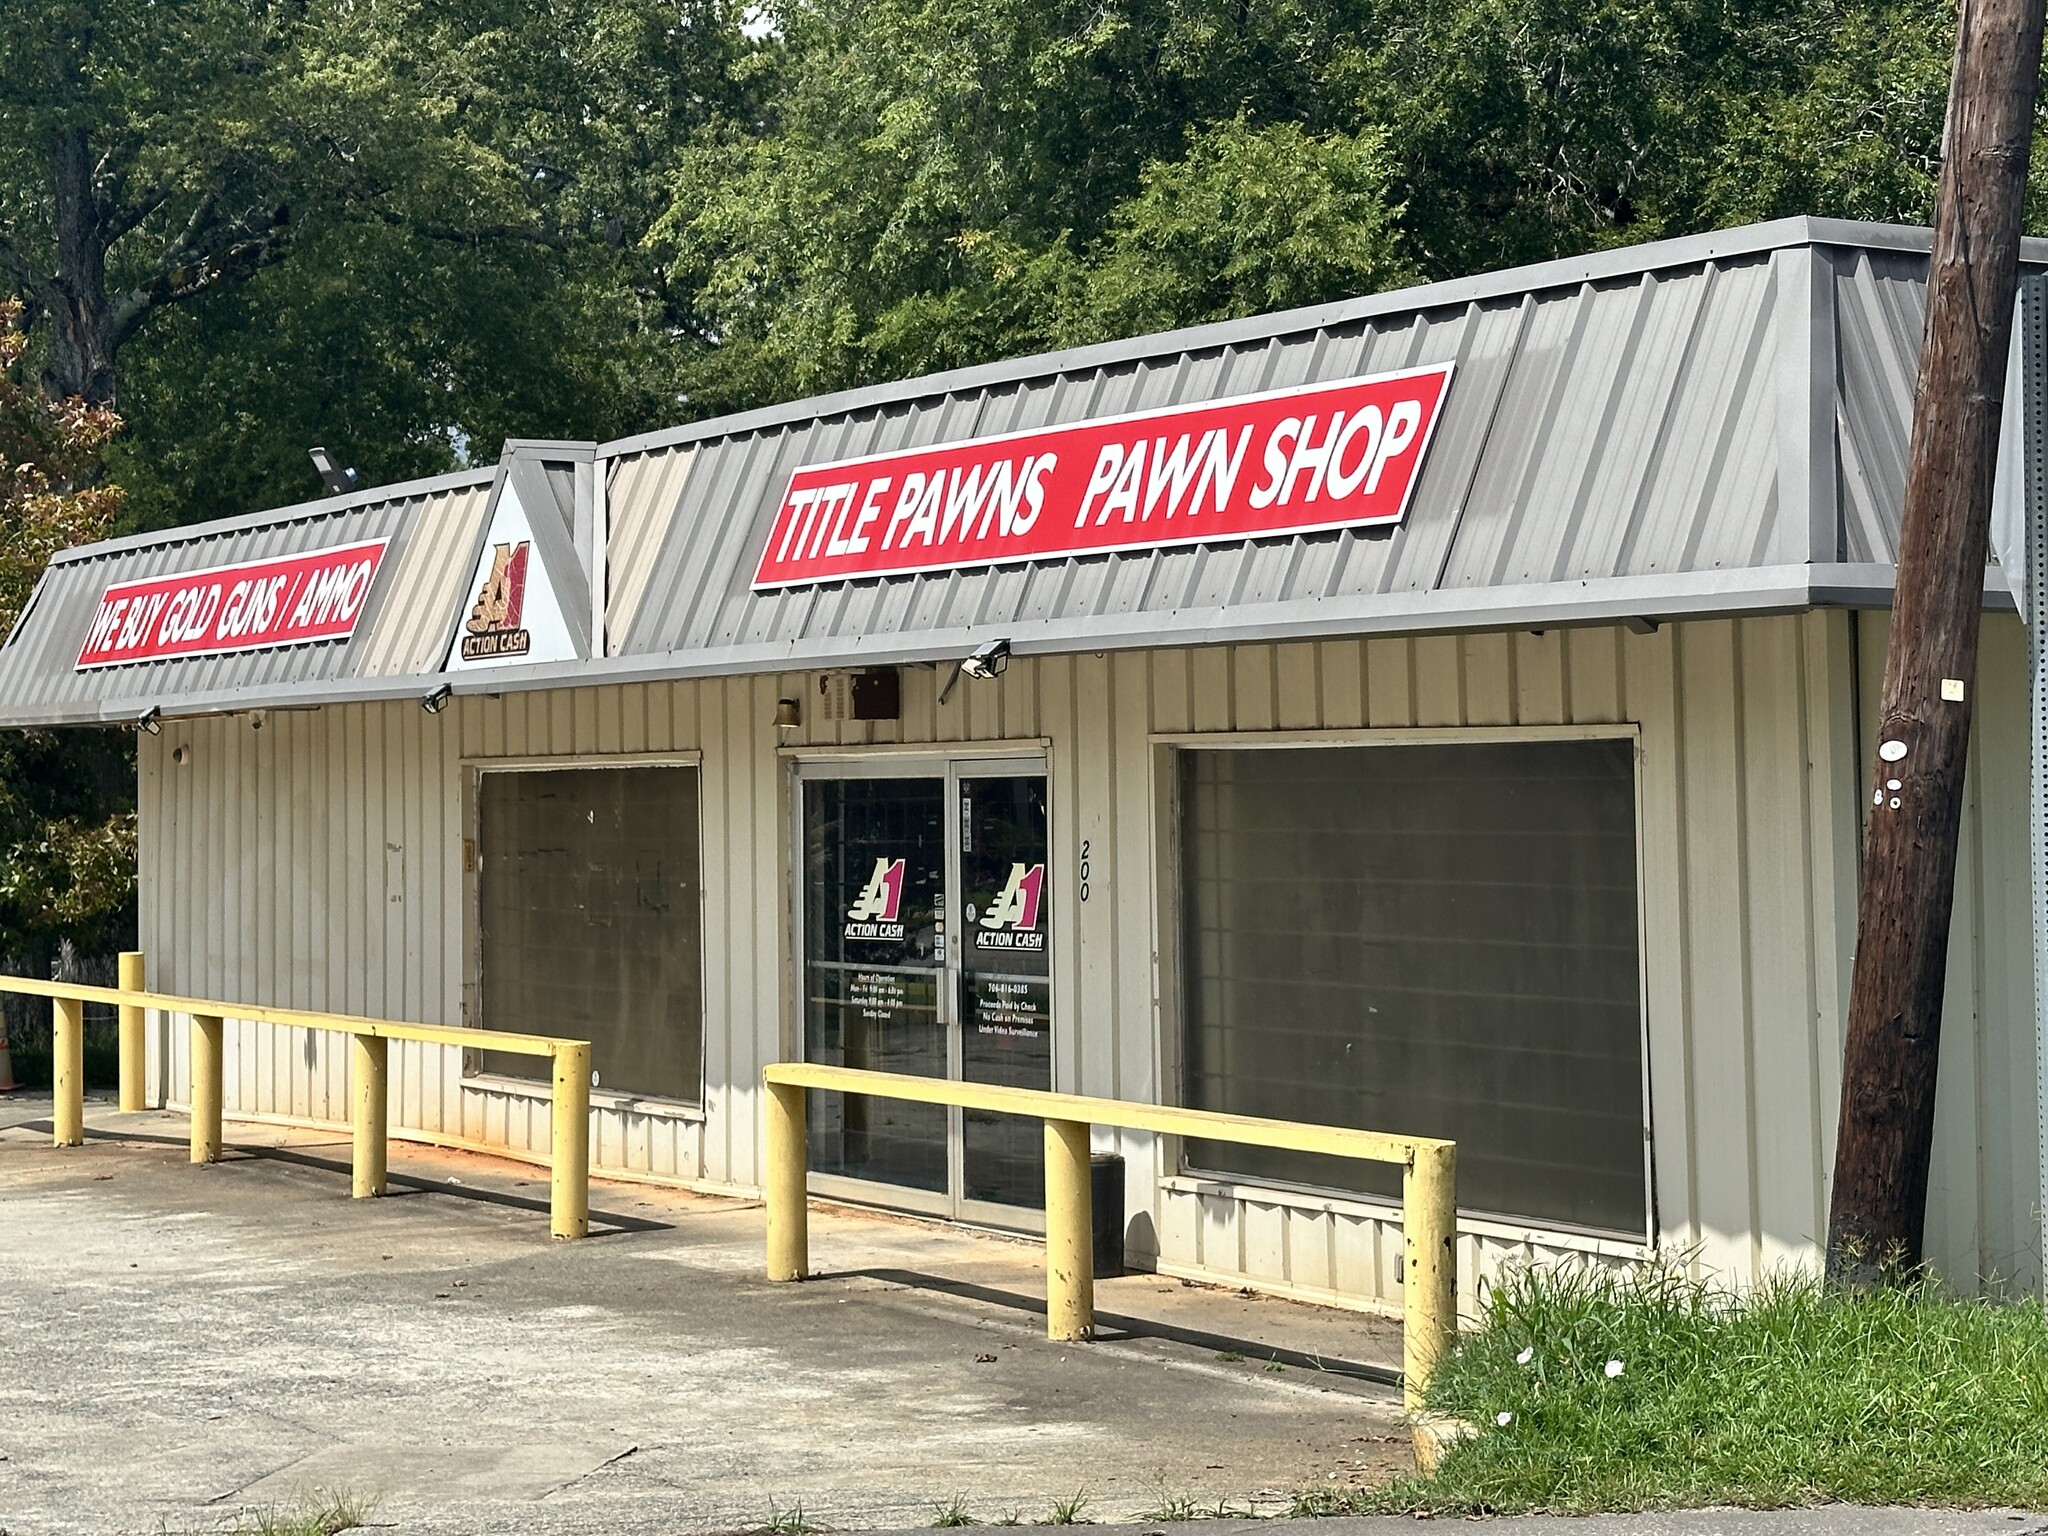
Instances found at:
x=187 y=1346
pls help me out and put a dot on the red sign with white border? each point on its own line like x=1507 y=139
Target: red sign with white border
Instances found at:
x=1302 y=460
x=251 y=606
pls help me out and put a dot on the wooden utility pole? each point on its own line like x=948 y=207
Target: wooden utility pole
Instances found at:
x=1886 y=1135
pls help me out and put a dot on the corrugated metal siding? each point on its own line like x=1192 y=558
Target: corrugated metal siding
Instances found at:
x=1881 y=307
x=1603 y=430
x=38 y=679
x=1638 y=433
x=646 y=491
x=427 y=587
x=317 y=863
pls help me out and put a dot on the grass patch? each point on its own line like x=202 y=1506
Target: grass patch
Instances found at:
x=785 y=1522
x=318 y=1514
x=1067 y=1511
x=1642 y=1389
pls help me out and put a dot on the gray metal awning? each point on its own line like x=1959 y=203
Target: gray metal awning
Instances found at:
x=1707 y=426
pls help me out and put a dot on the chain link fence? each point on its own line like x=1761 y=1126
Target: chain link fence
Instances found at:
x=26 y=1020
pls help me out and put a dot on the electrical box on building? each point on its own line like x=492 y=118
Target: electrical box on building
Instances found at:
x=878 y=694
x=873 y=693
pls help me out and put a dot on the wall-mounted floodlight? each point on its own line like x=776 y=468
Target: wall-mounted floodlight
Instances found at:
x=788 y=715
x=436 y=701
x=150 y=720
x=1639 y=625
x=984 y=661
x=339 y=481
x=990 y=660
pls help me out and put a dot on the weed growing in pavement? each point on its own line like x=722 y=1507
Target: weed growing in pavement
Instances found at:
x=1014 y=1517
x=1229 y=1356
x=945 y=1516
x=319 y=1513
x=1172 y=1507
x=1068 y=1511
x=1643 y=1389
x=785 y=1522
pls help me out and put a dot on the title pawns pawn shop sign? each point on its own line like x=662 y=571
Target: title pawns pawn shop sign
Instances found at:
x=1342 y=455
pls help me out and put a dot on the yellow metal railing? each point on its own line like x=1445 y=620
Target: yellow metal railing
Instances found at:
x=1429 y=1207
x=369 y=1074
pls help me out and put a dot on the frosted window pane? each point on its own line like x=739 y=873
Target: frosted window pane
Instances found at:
x=1439 y=940
x=589 y=911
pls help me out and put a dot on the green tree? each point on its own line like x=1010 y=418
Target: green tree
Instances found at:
x=396 y=227
x=67 y=832
x=930 y=183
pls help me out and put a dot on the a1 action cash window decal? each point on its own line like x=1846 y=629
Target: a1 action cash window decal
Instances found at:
x=1342 y=455
x=1011 y=921
x=876 y=911
x=493 y=627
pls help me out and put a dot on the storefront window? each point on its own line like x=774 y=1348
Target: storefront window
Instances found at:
x=589 y=913
x=1433 y=939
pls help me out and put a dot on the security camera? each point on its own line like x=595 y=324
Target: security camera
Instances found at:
x=989 y=660
x=433 y=703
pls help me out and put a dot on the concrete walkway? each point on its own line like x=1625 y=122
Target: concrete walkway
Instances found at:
x=188 y=1348
x=185 y=1345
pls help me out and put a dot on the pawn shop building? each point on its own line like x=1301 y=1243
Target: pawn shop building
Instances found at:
x=1443 y=712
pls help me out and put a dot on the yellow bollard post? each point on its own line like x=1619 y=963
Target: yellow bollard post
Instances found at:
x=569 y=1153
x=785 y=1192
x=1069 y=1233
x=208 y=1047
x=67 y=1071
x=370 y=1096
x=133 y=1094
x=1429 y=1268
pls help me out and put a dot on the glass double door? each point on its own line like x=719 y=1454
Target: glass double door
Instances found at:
x=926 y=922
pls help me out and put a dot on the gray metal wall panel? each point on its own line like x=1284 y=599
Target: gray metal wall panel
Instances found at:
x=1612 y=439
x=318 y=863
x=1595 y=431
x=413 y=622
x=1881 y=306
x=38 y=676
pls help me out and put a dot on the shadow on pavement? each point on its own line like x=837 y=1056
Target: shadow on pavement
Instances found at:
x=400 y=1184
x=1116 y=1325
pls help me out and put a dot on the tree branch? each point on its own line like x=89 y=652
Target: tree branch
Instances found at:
x=228 y=253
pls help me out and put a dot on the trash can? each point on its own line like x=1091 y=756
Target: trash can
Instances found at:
x=1106 y=1199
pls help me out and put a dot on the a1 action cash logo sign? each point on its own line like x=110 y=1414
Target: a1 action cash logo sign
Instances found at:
x=494 y=626
x=875 y=913
x=1011 y=920
x=1341 y=455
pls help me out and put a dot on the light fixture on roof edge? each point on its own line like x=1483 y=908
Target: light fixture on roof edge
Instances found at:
x=338 y=481
x=437 y=700
x=788 y=715
x=986 y=661
x=150 y=721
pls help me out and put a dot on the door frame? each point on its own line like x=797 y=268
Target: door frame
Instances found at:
x=948 y=765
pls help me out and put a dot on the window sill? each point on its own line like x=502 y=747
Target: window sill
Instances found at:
x=1364 y=1207
x=600 y=1098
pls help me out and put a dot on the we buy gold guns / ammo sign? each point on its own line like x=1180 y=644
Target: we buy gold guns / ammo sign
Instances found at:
x=1342 y=455
x=249 y=606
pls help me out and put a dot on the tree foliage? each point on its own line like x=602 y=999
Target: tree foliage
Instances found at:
x=928 y=183
x=67 y=838
x=394 y=226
